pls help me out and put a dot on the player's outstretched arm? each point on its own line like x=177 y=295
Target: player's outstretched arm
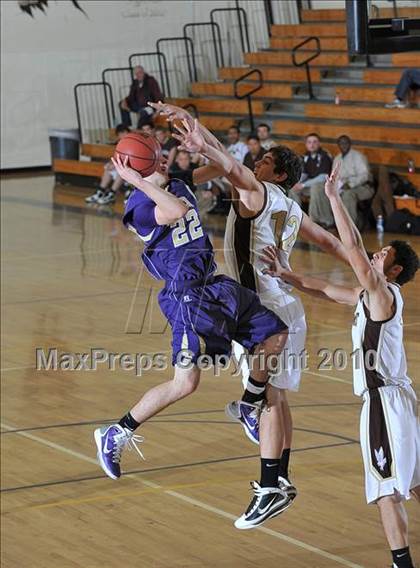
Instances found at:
x=168 y=207
x=239 y=175
x=173 y=113
x=327 y=242
x=313 y=286
x=367 y=276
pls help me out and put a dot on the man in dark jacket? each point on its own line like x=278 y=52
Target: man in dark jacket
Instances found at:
x=316 y=168
x=143 y=89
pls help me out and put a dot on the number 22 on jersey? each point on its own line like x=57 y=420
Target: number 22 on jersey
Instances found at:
x=187 y=229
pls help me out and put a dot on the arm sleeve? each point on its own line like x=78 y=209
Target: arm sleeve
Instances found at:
x=144 y=219
x=156 y=92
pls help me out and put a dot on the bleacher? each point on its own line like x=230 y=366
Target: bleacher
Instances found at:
x=386 y=136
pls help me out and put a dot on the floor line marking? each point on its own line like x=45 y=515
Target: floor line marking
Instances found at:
x=329 y=377
x=195 y=502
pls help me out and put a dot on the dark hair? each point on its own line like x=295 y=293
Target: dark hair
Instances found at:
x=285 y=160
x=344 y=137
x=234 y=127
x=121 y=128
x=406 y=257
x=252 y=137
x=312 y=134
x=265 y=125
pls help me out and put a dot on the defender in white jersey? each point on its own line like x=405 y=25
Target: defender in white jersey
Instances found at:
x=389 y=423
x=262 y=215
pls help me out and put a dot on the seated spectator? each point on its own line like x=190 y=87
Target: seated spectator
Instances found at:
x=316 y=168
x=144 y=89
x=183 y=167
x=354 y=185
x=147 y=128
x=110 y=182
x=167 y=144
x=263 y=131
x=236 y=147
x=410 y=79
x=255 y=151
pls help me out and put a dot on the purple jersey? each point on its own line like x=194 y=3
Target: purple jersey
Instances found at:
x=178 y=252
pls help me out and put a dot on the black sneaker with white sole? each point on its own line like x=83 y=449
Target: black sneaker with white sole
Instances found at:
x=99 y=193
x=106 y=199
x=268 y=502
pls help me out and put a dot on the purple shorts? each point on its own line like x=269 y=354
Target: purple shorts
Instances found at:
x=217 y=313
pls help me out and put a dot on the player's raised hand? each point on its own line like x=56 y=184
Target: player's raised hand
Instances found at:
x=125 y=172
x=190 y=137
x=271 y=258
x=172 y=112
x=331 y=183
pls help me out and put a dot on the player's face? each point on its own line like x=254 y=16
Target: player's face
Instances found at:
x=312 y=144
x=384 y=259
x=264 y=169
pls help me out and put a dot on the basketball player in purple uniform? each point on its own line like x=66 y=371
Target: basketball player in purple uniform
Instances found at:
x=389 y=423
x=198 y=305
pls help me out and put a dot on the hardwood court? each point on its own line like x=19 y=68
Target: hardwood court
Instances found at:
x=72 y=280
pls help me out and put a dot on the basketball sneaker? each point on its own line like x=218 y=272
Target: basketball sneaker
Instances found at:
x=396 y=103
x=268 y=502
x=248 y=415
x=111 y=441
x=109 y=197
x=287 y=487
x=99 y=193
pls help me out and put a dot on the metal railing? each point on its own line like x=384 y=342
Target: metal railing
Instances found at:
x=242 y=19
x=248 y=94
x=162 y=67
x=189 y=53
x=216 y=43
x=306 y=61
x=94 y=108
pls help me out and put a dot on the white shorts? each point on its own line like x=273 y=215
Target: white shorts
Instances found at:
x=289 y=308
x=390 y=442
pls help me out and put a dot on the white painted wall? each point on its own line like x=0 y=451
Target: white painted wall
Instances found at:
x=45 y=56
x=340 y=4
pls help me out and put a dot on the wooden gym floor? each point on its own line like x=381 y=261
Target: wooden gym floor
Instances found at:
x=72 y=280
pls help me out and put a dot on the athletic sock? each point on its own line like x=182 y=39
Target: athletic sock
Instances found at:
x=254 y=391
x=402 y=558
x=128 y=422
x=284 y=463
x=269 y=472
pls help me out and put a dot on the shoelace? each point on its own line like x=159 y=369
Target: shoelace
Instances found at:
x=259 y=493
x=128 y=439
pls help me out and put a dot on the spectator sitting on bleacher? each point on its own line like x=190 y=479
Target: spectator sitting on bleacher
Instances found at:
x=255 y=151
x=316 y=168
x=263 y=131
x=148 y=128
x=110 y=182
x=183 y=167
x=354 y=185
x=236 y=147
x=167 y=143
x=144 y=88
x=410 y=79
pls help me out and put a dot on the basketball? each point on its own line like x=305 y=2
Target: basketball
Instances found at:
x=143 y=152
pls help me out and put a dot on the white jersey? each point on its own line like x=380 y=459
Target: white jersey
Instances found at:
x=378 y=350
x=277 y=224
